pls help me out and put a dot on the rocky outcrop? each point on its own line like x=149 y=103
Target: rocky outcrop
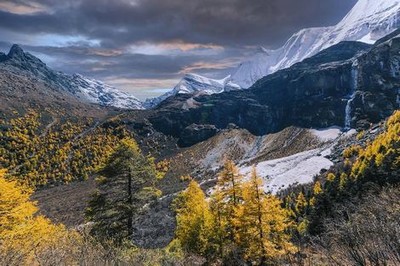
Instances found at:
x=196 y=133
x=3 y=57
x=378 y=84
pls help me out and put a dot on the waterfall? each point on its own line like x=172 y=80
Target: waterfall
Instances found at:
x=353 y=89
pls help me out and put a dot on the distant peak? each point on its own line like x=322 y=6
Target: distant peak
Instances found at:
x=16 y=50
x=3 y=57
x=19 y=57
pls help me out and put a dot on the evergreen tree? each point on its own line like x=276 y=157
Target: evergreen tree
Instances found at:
x=126 y=185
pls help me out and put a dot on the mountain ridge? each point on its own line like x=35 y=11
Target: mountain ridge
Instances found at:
x=84 y=89
x=367 y=22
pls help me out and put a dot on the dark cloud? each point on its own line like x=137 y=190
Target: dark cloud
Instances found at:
x=105 y=30
x=249 y=22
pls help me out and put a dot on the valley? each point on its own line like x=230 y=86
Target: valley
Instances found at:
x=292 y=159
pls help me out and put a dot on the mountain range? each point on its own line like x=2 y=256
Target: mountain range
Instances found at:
x=367 y=21
x=349 y=85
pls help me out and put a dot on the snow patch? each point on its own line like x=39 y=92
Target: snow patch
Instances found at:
x=327 y=134
x=299 y=168
x=367 y=39
x=98 y=92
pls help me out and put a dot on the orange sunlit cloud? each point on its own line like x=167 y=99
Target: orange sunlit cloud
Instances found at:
x=22 y=9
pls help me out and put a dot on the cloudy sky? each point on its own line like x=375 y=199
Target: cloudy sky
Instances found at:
x=146 y=46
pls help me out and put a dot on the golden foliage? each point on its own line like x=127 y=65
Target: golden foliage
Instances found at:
x=351 y=151
x=384 y=151
x=194 y=219
x=37 y=153
x=238 y=220
x=23 y=233
x=262 y=224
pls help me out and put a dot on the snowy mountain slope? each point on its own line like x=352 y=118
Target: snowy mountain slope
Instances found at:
x=368 y=21
x=96 y=91
x=191 y=84
x=299 y=168
x=88 y=90
x=296 y=169
x=291 y=156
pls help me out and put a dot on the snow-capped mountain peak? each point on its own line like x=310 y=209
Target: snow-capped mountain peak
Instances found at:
x=249 y=71
x=193 y=84
x=88 y=90
x=367 y=21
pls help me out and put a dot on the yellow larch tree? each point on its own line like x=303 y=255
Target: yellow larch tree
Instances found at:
x=22 y=233
x=229 y=187
x=317 y=189
x=301 y=203
x=194 y=219
x=262 y=224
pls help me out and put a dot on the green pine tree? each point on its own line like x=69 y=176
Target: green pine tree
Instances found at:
x=127 y=184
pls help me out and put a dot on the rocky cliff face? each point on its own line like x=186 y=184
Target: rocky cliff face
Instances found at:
x=348 y=85
x=378 y=84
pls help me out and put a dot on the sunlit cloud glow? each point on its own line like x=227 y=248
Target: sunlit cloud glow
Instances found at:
x=22 y=8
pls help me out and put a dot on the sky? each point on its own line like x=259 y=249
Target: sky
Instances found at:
x=146 y=46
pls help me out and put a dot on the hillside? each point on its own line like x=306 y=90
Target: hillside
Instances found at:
x=285 y=156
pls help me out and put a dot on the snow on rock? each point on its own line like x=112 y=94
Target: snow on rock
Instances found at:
x=255 y=67
x=350 y=133
x=97 y=92
x=327 y=134
x=192 y=83
x=88 y=90
x=296 y=169
x=368 y=21
x=279 y=166
x=367 y=39
x=299 y=168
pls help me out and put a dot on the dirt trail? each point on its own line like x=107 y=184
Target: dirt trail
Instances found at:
x=49 y=126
